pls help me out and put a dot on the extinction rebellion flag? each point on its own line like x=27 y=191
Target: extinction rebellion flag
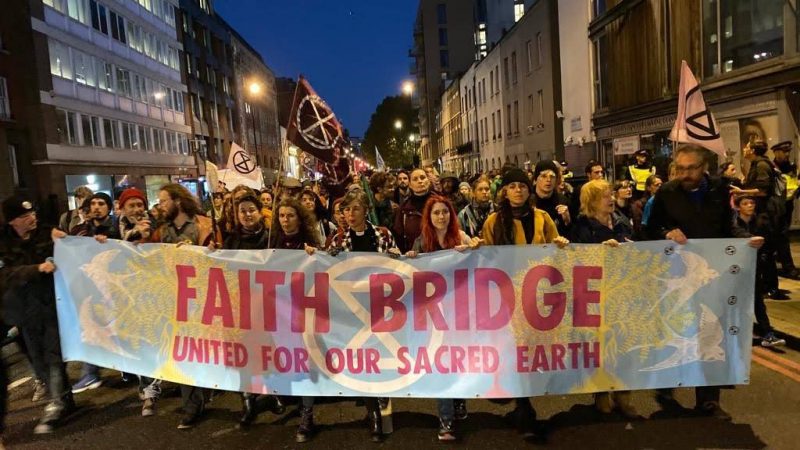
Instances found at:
x=695 y=124
x=313 y=126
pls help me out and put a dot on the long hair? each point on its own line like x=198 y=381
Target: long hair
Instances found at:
x=320 y=212
x=188 y=203
x=306 y=226
x=452 y=237
x=503 y=230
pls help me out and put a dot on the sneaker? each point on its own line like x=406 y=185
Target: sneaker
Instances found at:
x=87 y=382
x=778 y=294
x=188 y=421
x=39 y=390
x=148 y=407
x=306 y=428
x=54 y=413
x=770 y=340
x=460 y=406
x=446 y=431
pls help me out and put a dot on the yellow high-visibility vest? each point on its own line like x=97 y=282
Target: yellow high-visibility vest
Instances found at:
x=640 y=176
x=791 y=184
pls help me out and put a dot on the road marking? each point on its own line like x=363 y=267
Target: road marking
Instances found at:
x=777 y=358
x=19 y=382
x=777 y=368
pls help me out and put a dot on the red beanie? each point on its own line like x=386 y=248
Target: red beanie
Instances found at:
x=130 y=193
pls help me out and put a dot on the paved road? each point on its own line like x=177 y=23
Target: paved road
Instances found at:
x=765 y=415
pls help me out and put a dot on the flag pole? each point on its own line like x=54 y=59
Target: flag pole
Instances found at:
x=282 y=159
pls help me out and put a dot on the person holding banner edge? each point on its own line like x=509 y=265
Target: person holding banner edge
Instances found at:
x=516 y=221
x=695 y=206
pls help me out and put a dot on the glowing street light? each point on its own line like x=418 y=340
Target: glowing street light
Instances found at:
x=254 y=88
x=412 y=137
x=408 y=88
x=398 y=124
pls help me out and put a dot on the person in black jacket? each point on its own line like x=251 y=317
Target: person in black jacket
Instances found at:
x=696 y=206
x=28 y=301
x=546 y=177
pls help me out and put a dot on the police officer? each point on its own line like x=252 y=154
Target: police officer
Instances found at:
x=788 y=169
x=28 y=297
x=640 y=172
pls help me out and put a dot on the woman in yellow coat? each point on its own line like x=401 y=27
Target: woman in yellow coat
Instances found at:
x=516 y=221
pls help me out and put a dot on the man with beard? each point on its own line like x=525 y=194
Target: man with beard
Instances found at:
x=402 y=190
x=28 y=301
x=382 y=185
x=695 y=206
x=184 y=224
x=449 y=182
x=546 y=176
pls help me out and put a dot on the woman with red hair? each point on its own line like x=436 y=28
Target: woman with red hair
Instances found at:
x=440 y=231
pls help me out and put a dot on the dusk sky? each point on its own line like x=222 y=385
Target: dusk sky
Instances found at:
x=353 y=52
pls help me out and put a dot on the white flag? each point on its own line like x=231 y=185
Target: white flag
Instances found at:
x=242 y=165
x=695 y=123
x=212 y=176
x=379 y=163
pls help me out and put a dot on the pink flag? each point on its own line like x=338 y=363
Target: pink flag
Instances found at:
x=695 y=123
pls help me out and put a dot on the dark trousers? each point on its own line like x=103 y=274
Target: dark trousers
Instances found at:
x=782 y=245
x=764 y=265
x=706 y=394
x=194 y=399
x=44 y=347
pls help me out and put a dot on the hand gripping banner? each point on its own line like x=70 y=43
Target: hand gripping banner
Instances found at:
x=495 y=322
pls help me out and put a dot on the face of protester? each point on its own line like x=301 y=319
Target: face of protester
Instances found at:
x=596 y=173
x=464 y=190
x=388 y=189
x=419 y=182
x=448 y=185
x=689 y=169
x=355 y=214
x=249 y=215
x=402 y=180
x=289 y=219
x=134 y=209
x=25 y=223
x=748 y=152
x=167 y=206
x=307 y=200
x=482 y=192
x=625 y=192
x=655 y=186
x=440 y=216
x=730 y=172
x=218 y=201
x=98 y=209
x=266 y=200
x=605 y=204
x=517 y=193
x=338 y=215
x=747 y=207
x=546 y=182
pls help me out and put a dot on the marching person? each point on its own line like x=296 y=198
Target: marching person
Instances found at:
x=546 y=176
x=184 y=224
x=382 y=185
x=695 y=206
x=407 y=222
x=516 y=221
x=596 y=225
x=323 y=228
x=402 y=191
x=362 y=236
x=28 y=294
x=73 y=218
x=472 y=217
x=440 y=231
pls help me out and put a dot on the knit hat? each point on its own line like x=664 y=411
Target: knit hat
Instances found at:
x=541 y=166
x=464 y=184
x=516 y=175
x=447 y=175
x=130 y=193
x=16 y=206
x=104 y=197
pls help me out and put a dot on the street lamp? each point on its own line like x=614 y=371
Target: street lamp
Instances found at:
x=398 y=124
x=408 y=88
x=255 y=90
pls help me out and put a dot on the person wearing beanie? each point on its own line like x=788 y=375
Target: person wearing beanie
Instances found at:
x=465 y=190
x=134 y=223
x=546 y=178
x=27 y=287
x=517 y=222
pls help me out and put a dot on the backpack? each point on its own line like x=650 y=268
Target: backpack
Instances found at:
x=778 y=183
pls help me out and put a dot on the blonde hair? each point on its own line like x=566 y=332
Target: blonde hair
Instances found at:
x=591 y=192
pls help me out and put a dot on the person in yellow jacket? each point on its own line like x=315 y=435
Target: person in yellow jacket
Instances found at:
x=640 y=172
x=788 y=169
x=516 y=221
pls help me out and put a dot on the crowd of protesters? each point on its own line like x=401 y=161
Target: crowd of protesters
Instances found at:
x=407 y=212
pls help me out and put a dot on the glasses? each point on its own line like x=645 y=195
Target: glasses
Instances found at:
x=692 y=168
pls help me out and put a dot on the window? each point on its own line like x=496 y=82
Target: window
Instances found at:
x=158 y=140
x=172 y=145
x=494 y=127
x=506 y=83
x=139 y=88
x=84 y=68
x=59 y=60
x=737 y=33
x=529 y=55
x=126 y=135
x=442 y=37
x=444 y=58
x=441 y=14
x=123 y=82
x=135 y=37
x=177 y=100
x=540 y=96
x=499 y=126
x=134 y=137
x=519 y=10
x=12 y=161
x=5 y=109
x=144 y=138
x=111 y=133
x=491 y=84
x=91 y=130
x=529 y=110
x=539 y=50
x=105 y=77
x=516 y=117
x=513 y=67
x=77 y=10
x=226 y=85
x=508 y=120
x=99 y=19
x=58 y=5
x=71 y=128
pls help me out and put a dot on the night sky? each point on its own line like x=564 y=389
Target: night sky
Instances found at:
x=353 y=52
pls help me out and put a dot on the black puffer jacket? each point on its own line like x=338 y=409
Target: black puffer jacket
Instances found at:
x=26 y=293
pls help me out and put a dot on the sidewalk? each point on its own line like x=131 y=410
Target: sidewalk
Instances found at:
x=785 y=314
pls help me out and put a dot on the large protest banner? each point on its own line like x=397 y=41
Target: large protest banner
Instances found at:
x=495 y=322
